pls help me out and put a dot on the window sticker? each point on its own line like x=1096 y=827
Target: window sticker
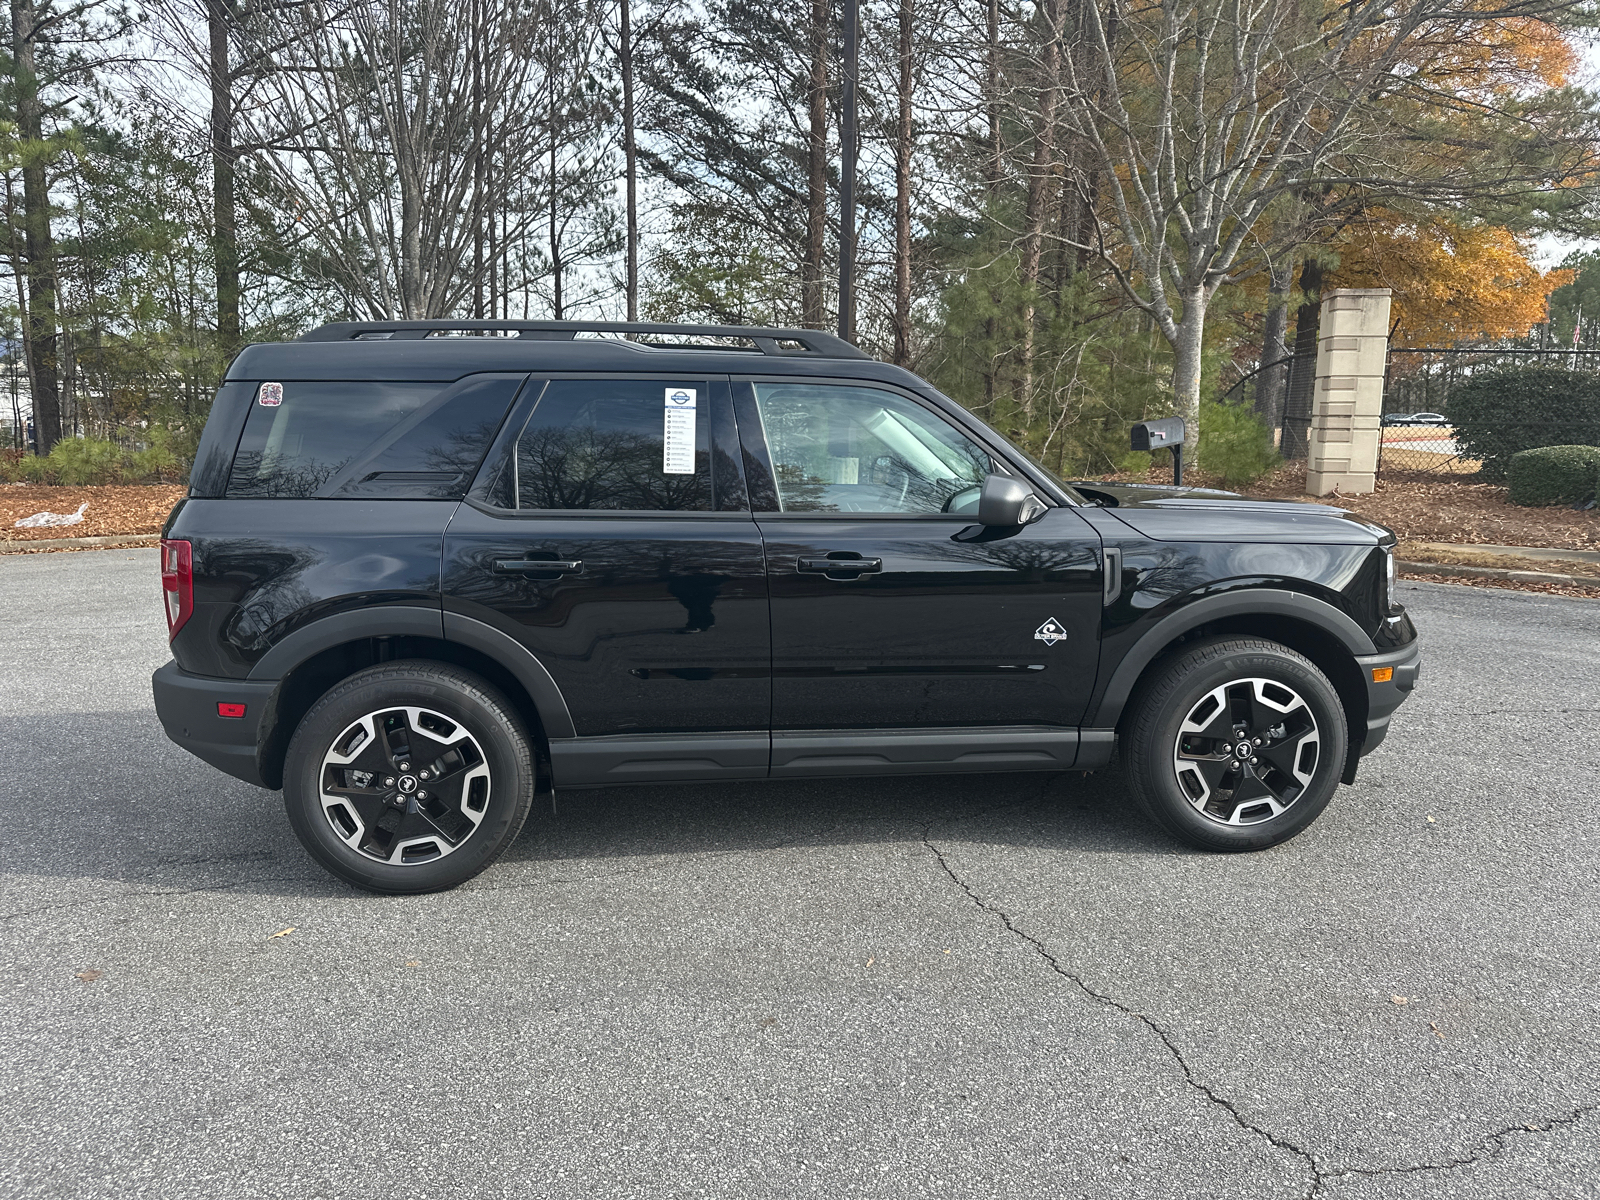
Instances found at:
x=270 y=395
x=677 y=446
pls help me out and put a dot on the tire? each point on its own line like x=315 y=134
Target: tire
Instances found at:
x=374 y=817
x=1184 y=733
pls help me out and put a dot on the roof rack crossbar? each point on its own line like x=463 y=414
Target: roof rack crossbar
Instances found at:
x=766 y=340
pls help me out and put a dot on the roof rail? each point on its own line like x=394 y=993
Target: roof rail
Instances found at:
x=767 y=341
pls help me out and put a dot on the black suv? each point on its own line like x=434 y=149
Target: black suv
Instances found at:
x=426 y=570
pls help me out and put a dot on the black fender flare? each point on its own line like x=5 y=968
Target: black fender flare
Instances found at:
x=1249 y=601
x=407 y=620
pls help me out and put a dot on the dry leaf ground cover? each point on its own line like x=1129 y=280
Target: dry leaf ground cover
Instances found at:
x=113 y=509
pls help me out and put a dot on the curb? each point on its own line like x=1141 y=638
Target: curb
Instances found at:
x=1451 y=570
x=22 y=546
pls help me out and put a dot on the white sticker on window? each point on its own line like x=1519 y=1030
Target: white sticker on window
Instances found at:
x=678 y=440
x=270 y=395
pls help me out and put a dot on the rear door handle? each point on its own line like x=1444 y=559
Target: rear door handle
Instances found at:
x=536 y=566
x=840 y=566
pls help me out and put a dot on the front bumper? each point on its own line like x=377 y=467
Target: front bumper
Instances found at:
x=187 y=707
x=1384 y=698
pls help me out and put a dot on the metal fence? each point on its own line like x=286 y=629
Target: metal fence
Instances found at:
x=1417 y=381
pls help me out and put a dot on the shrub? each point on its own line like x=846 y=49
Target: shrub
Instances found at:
x=1234 y=444
x=97 y=461
x=1503 y=412
x=1554 y=475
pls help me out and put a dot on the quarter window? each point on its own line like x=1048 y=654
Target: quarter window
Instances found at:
x=861 y=450
x=368 y=440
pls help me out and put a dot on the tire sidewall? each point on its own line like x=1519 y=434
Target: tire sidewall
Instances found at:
x=456 y=695
x=1165 y=796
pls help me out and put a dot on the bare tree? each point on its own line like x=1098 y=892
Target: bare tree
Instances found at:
x=1198 y=117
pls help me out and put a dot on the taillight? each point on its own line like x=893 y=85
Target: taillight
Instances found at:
x=177 y=583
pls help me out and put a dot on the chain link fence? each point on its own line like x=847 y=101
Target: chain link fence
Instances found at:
x=1417 y=439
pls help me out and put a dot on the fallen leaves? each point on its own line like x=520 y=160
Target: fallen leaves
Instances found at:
x=120 y=509
x=283 y=932
x=90 y=975
x=1401 y=999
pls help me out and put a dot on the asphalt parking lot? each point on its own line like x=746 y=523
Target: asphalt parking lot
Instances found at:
x=967 y=987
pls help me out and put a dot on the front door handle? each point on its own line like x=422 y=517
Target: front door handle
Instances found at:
x=536 y=566
x=841 y=566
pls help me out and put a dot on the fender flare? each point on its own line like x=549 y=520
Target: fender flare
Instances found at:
x=408 y=620
x=1250 y=601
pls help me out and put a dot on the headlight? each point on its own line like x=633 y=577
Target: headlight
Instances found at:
x=1391 y=579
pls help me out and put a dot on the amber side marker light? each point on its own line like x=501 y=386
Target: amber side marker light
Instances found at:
x=229 y=710
x=1382 y=674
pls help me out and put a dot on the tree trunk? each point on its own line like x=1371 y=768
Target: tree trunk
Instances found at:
x=1303 y=367
x=630 y=154
x=1186 y=368
x=811 y=302
x=991 y=14
x=223 y=212
x=902 y=196
x=1274 y=346
x=41 y=272
x=1039 y=176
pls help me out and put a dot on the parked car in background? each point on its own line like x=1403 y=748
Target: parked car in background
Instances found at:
x=1422 y=418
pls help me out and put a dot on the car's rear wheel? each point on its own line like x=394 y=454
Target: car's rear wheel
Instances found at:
x=1235 y=744
x=409 y=777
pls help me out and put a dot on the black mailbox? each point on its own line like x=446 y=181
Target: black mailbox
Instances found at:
x=1166 y=434
x=1159 y=435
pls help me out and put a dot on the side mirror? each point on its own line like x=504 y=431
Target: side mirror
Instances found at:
x=1008 y=502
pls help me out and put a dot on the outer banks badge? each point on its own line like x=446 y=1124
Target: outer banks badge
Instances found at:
x=270 y=395
x=1050 y=633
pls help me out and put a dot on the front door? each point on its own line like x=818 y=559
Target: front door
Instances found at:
x=615 y=542
x=891 y=608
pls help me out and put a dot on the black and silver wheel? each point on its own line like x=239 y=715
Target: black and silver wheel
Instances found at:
x=1236 y=744
x=409 y=777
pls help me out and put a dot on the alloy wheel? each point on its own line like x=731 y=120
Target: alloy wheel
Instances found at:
x=1246 y=751
x=405 y=785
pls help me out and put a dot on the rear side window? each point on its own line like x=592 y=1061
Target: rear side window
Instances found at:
x=610 y=444
x=369 y=439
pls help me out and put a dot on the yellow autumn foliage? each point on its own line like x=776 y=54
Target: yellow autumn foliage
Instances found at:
x=1451 y=283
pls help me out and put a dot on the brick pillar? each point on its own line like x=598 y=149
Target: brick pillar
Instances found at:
x=1352 y=350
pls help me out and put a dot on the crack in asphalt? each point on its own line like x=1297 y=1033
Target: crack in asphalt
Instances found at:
x=1488 y=1147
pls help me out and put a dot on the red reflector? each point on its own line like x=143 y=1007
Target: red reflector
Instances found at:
x=229 y=710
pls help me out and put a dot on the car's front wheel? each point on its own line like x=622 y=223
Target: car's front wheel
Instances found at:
x=1235 y=744
x=409 y=777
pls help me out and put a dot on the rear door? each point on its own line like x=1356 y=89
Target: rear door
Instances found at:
x=611 y=534
x=891 y=608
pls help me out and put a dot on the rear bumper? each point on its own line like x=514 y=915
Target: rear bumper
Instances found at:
x=187 y=707
x=1384 y=698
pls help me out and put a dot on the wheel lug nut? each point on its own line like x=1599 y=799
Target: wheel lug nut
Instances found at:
x=422 y=775
x=388 y=781
x=405 y=766
x=1233 y=765
x=422 y=795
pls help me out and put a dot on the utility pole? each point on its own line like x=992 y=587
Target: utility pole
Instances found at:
x=847 y=175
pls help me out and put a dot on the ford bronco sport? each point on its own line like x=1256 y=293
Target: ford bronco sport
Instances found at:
x=426 y=570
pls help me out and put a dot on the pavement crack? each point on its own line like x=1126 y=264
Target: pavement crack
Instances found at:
x=1488 y=1147
x=1317 y=1175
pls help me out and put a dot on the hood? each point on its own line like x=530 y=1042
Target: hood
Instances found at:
x=1193 y=514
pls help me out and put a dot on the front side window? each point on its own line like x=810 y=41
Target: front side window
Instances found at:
x=860 y=450
x=614 y=444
